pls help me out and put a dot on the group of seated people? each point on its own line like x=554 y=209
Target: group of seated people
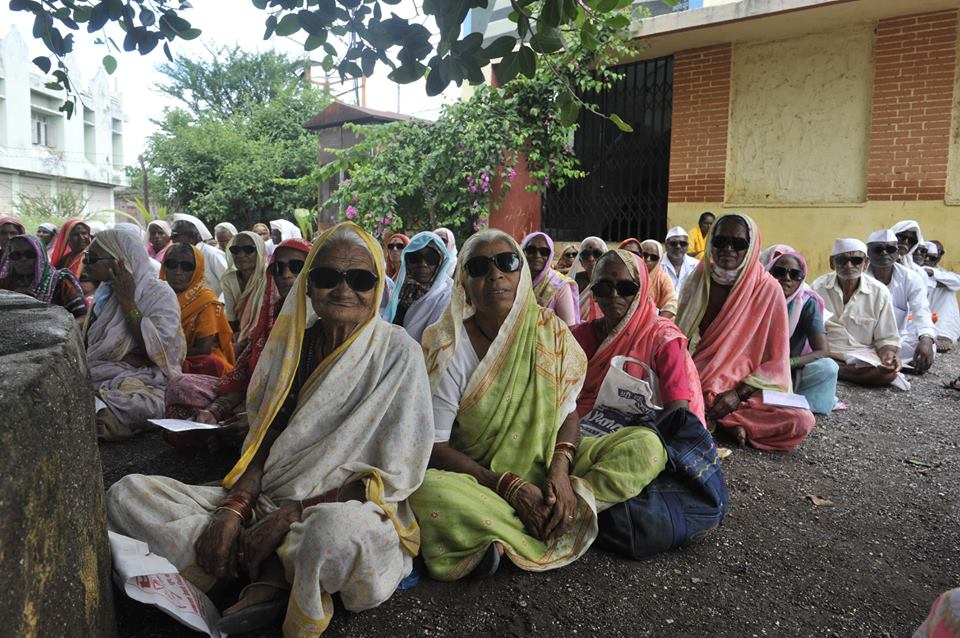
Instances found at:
x=414 y=401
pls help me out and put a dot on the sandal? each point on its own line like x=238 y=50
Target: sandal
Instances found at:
x=953 y=385
x=255 y=616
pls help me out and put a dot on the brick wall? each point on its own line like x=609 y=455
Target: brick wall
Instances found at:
x=912 y=98
x=698 y=140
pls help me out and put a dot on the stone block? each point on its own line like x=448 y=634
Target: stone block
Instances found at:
x=54 y=556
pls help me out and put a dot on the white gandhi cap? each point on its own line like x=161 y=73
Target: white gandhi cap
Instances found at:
x=849 y=245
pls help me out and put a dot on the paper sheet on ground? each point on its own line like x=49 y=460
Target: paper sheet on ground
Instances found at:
x=785 y=399
x=182 y=425
x=153 y=580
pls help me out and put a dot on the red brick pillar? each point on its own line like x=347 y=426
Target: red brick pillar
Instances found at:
x=912 y=99
x=701 y=113
x=519 y=212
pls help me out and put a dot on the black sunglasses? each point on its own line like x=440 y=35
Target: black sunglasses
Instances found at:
x=910 y=239
x=358 y=279
x=605 y=288
x=651 y=256
x=780 y=272
x=543 y=251
x=294 y=266
x=842 y=260
x=505 y=262
x=879 y=249
x=678 y=244
x=724 y=241
x=636 y=251
x=176 y=264
x=395 y=246
x=430 y=257
x=596 y=254
x=20 y=255
x=236 y=250
x=89 y=259
x=571 y=255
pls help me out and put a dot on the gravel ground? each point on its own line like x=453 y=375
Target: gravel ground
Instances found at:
x=868 y=565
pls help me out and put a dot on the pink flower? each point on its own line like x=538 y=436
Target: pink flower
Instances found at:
x=512 y=175
x=351 y=212
x=475 y=203
x=476 y=226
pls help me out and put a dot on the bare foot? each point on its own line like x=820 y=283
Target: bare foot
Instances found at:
x=741 y=435
x=257 y=593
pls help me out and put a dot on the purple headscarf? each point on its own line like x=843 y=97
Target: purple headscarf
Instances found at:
x=798 y=299
x=46 y=278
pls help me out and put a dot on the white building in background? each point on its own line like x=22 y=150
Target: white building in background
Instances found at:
x=41 y=151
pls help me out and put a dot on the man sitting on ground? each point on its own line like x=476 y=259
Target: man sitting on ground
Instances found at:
x=910 y=306
x=943 y=298
x=862 y=332
x=678 y=265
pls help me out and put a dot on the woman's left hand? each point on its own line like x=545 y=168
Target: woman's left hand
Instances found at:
x=124 y=285
x=558 y=495
x=259 y=541
x=723 y=405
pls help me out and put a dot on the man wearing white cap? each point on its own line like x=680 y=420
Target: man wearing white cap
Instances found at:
x=943 y=299
x=862 y=331
x=678 y=265
x=909 y=293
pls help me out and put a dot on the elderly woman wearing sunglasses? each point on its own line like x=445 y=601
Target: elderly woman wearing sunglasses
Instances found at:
x=340 y=431
x=661 y=289
x=423 y=286
x=552 y=290
x=134 y=342
x=814 y=372
x=510 y=472
x=735 y=318
x=204 y=323
x=243 y=284
x=220 y=401
x=25 y=268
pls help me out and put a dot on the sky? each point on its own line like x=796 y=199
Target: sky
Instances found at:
x=137 y=76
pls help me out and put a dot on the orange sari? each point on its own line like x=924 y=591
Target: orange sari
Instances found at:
x=61 y=256
x=202 y=315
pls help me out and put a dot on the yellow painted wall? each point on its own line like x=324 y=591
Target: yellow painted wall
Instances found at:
x=800 y=118
x=812 y=230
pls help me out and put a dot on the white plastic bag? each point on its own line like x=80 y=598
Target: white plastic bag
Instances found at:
x=623 y=400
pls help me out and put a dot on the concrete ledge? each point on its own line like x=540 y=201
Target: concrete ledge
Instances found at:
x=54 y=556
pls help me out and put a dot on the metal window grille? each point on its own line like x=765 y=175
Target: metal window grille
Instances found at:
x=625 y=191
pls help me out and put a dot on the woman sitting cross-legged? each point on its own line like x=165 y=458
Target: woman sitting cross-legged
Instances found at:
x=662 y=292
x=25 y=268
x=134 y=341
x=735 y=318
x=205 y=327
x=552 y=290
x=631 y=327
x=510 y=473
x=340 y=435
x=814 y=372
x=423 y=286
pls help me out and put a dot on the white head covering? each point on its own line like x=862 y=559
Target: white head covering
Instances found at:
x=200 y=226
x=229 y=227
x=931 y=248
x=676 y=231
x=848 y=245
x=96 y=227
x=162 y=223
x=576 y=267
x=907 y=260
x=451 y=243
x=288 y=230
x=882 y=236
x=50 y=228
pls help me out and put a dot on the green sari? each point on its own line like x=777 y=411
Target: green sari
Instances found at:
x=509 y=416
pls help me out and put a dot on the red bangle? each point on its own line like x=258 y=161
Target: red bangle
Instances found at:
x=507 y=479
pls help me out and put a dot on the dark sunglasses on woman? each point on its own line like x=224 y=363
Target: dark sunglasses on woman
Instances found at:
x=294 y=266
x=358 y=279
x=596 y=254
x=724 y=241
x=236 y=250
x=570 y=255
x=505 y=262
x=543 y=251
x=842 y=260
x=89 y=260
x=605 y=288
x=879 y=249
x=176 y=264
x=21 y=255
x=430 y=257
x=780 y=272
x=651 y=257
x=395 y=246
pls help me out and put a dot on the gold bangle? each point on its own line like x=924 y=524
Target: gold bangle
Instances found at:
x=230 y=509
x=565 y=454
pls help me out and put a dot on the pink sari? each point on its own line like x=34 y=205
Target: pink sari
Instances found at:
x=640 y=335
x=748 y=342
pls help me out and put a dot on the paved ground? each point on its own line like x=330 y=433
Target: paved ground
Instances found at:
x=870 y=565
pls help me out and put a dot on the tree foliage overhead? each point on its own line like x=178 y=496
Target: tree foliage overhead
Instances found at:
x=370 y=32
x=220 y=163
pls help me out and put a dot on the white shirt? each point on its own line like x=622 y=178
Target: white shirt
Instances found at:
x=214 y=266
x=866 y=321
x=689 y=263
x=943 y=301
x=909 y=293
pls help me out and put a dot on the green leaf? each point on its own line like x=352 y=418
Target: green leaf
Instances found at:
x=54 y=86
x=569 y=110
x=508 y=68
x=527 y=60
x=260 y=4
x=407 y=73
x=500 y=47
x=189 y=34
x=109 y=64
x=43 y=63
x=288 y=25
x=312 y=22
x=547 y=40
x=315 y=41
x=623 y=126
x=435 y=81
